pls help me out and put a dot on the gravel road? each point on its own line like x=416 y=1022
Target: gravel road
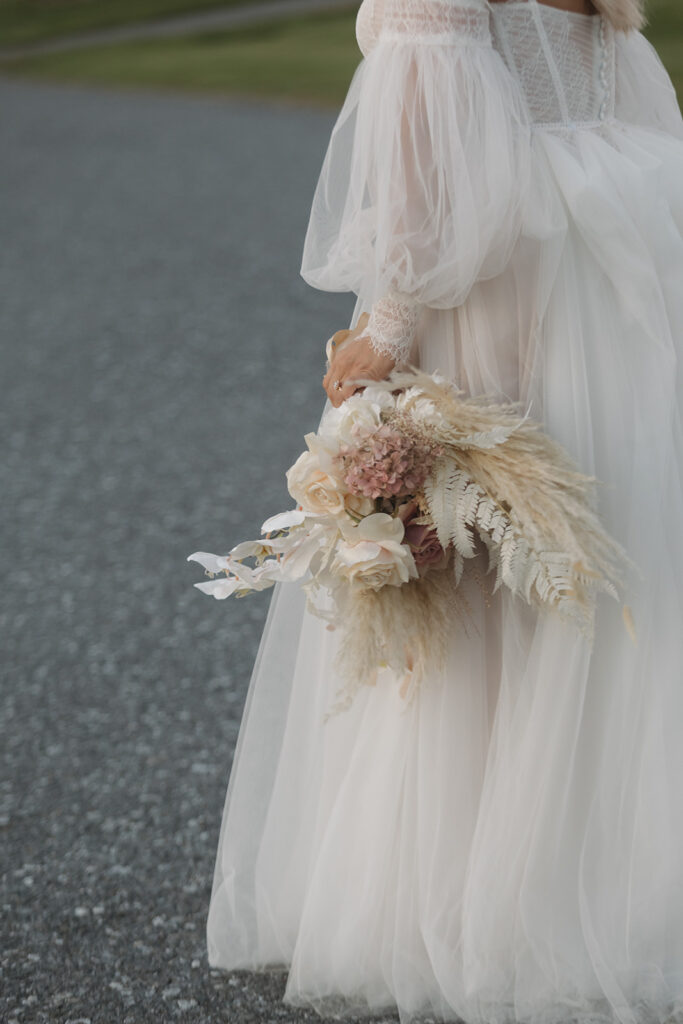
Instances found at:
x=160 y=359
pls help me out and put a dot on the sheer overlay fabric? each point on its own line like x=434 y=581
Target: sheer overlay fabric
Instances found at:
x=506 y=180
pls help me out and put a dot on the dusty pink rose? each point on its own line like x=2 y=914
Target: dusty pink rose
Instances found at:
x=420 y=538
x=424 y=544
x=408 y=511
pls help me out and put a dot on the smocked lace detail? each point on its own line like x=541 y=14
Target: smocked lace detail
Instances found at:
x=391 y=326
x=440 y=20
x=422 y=21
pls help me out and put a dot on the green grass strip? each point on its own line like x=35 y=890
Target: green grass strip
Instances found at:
x=31 y=21
x=308 y=59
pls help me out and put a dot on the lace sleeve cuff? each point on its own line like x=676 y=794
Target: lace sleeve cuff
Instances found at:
x=392 y=324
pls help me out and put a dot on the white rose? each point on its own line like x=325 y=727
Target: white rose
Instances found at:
x=358 y=415
x=325 y=448
x=377 y=396
x=372 y=553
x=313 y=488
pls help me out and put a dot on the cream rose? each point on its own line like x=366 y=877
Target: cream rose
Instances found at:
x=358 y=504
x=372 y=554
x=313 y=488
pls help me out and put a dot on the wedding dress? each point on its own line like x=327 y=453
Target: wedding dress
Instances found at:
x=503 y=190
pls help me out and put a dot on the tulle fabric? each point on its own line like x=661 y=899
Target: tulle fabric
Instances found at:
x=645 y=94
x=508 y=847
x=431 y=147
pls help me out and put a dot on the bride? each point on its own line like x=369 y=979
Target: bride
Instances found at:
x=503 y=191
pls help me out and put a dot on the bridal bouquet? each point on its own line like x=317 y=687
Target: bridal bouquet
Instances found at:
x=403 y=485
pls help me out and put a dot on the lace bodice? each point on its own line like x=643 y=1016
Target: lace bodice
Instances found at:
x=564 y=62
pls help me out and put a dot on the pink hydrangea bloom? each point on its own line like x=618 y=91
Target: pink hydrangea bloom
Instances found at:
x=385 y=464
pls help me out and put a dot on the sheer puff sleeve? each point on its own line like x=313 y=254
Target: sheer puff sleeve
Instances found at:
x=422 y=185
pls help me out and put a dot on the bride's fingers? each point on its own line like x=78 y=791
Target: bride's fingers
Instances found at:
x=328 y=385
x=338 y=394
x=338 y=338
x=337 y=369
x=349 y=388
x=328 y=378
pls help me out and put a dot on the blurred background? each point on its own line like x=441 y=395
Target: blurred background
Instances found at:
x=161 y=359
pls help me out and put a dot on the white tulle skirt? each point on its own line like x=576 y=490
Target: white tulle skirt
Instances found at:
x=509 y=846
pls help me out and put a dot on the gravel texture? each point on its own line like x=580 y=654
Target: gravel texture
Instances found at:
x=161 y=361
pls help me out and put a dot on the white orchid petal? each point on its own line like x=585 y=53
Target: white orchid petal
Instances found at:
x=214 y=563
x=284 y=520
x=295 y=563
x=363 y=551
x=220 y=588
x=381 y=527
x=265 y=575
x=248 y=548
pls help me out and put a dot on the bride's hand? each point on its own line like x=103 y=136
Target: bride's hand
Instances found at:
x=356 y=359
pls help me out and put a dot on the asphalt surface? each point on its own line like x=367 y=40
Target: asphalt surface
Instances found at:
x=160 y=360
